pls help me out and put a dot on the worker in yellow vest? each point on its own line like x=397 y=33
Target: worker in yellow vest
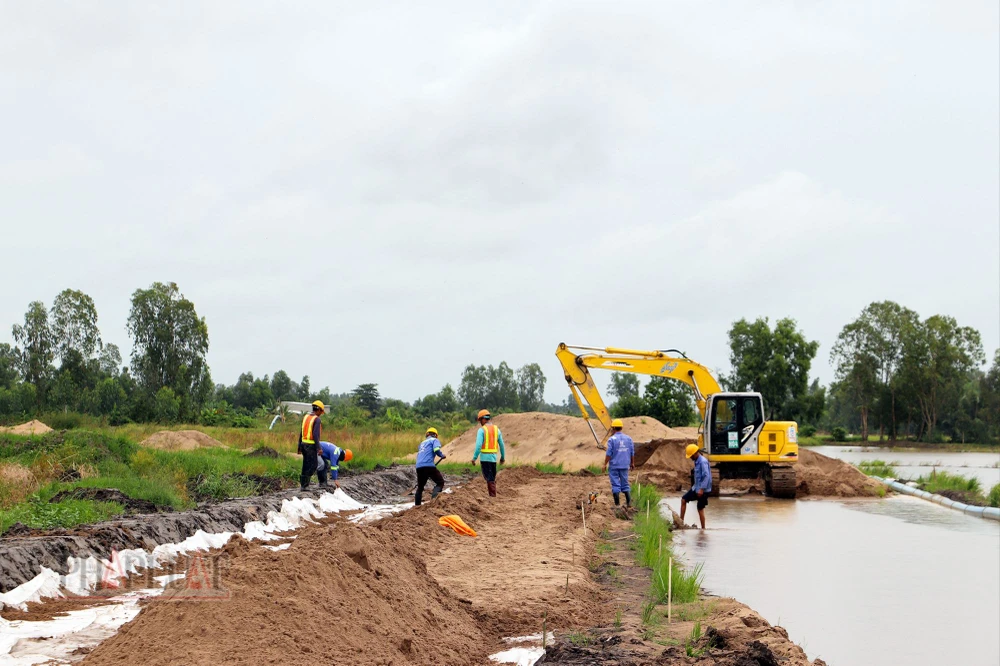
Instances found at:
x=309 y=439
x=489 y=443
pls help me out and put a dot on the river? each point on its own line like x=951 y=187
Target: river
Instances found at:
x=911 y=463
x=858 y=582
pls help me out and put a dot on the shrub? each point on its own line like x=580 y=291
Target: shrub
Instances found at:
x=807 y=430
x=878 y=468
x=242 y=421
x=63 y=420
x=839 y=434
x=16 y=484
x=994 y=497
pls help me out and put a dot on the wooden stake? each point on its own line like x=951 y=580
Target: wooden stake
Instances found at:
x=583 y=512
x=670 y=590
x=660 y=555
x=567 y=585
x=545 y=617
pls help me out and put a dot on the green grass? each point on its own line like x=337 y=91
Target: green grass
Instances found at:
x=993 y=499
x=549 y=468
x=878 y=468
x=937 y=481
x=651 y=531
x=579 y=638
x=67 y=513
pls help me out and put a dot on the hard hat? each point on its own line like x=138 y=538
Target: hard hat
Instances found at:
x=348 y=455
x=691 y=450
x=432 y=431
x=483 y=414
x=617 y=423
x=319 y=405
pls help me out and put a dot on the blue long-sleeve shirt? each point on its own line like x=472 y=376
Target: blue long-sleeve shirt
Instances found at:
x=331 y=453
x=702 y=475
x=488 y=457
x=621 y=450
x=428 y=452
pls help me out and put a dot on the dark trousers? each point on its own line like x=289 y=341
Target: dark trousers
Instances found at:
x=309 y=456
x=423 y=474
x=489 y=471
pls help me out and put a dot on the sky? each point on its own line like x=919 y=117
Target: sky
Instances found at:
x=389 y=191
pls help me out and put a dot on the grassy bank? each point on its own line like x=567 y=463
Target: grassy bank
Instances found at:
x=652 y=550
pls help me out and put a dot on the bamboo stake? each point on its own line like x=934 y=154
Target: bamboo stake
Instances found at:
x=670 y=590
x=583 y=512
x=545 y=617
x=660 y=555
x=567 y=585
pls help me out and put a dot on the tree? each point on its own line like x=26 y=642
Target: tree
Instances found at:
x=110 y=360
x=493 y=388
x=628 y=405
x=8 y=365
x=302 y=390
x=74 y=324
x=281 y=386
x=170 y=342
x=531 y=387
x=433 y=404
x=623 y=384
x=889 y=324
x=366 y=397
x=35 y=350
x=250 y=393
x=669 y=401
x=774 y=363
x=855 y=360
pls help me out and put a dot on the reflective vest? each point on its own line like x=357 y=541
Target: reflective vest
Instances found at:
x=491 y=437
x=307 y=429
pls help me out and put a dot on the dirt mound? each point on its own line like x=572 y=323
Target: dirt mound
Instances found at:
x=29 y=428
x=179 y=440
x=263 y=452
x=368 y=589
x=817 y=475
x=539 y=437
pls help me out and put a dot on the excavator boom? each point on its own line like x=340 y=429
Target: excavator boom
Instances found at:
x=576 y=367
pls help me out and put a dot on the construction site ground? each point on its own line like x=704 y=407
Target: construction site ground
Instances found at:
x=405 y=590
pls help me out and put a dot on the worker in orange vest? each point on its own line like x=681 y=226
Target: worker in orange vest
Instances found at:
x=489 y=443
x=309 y=439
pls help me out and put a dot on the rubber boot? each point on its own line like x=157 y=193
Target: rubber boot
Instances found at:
x=615 y=495
x=492 y=487
x=436 y=491
x=628 y=499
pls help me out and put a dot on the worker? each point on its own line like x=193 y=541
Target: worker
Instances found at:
x=619 y=458
x=427 y=458
x=309 y=438
x=328 y=465
x=489 y=441
x=702 y=485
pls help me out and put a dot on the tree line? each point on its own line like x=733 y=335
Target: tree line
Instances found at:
x=895 y=374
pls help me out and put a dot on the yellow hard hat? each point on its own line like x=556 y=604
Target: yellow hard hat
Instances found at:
x=432 y=431
x=617 y=423
x=348 y=455
x=483 y=414
x=319 y=405
x=691 y=450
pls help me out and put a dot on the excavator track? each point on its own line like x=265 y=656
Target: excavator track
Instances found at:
x=779 y=482
x=716 y=483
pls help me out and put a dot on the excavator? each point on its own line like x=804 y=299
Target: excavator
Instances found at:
x=739 y=442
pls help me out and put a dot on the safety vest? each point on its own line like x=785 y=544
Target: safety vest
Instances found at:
x=491 y=439
x=307 y=429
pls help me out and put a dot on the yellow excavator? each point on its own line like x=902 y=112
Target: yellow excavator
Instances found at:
x=739 y=443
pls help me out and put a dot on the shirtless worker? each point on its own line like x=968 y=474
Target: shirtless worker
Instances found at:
x=702 y=483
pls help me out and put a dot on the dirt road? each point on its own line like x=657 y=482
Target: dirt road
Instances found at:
x=405 y=590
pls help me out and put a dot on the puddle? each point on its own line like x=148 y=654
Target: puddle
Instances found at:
x=859 y=582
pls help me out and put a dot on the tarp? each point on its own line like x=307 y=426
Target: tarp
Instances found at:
x=457 y=524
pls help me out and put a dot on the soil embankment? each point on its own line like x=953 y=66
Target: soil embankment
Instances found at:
x=557 y=439
x=34 y=427
x=23 y=554
x=179 y=440
x=408 y=591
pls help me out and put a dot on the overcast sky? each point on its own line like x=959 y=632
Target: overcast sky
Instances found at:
x=387 y=192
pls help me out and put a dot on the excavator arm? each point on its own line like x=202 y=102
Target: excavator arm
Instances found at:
x=576 y=367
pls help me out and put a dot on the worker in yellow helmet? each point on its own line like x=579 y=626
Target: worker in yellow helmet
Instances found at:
x=702 y=485
x=309 y=439
x=489 y=443
x=620 y=456
x=427 y=459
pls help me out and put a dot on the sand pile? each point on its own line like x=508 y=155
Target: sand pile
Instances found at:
x=33 y=427
x=817 y=475
x=538 y=437
x=179 y=440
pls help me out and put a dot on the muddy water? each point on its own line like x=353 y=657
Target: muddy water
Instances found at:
x=859 y=582
x=912 y=463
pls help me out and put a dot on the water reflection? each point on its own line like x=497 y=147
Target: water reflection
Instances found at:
x=895 y=581
x=912 y=463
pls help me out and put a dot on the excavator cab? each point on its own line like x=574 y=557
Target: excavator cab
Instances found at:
x=735 y=423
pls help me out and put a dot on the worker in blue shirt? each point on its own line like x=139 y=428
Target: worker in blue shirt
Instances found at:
x=330 y=457
x=702 y=483
x=620 y=458
x=427 y=455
